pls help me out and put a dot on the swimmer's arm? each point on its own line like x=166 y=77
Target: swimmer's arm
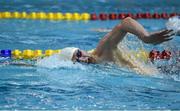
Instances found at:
x=130 y=25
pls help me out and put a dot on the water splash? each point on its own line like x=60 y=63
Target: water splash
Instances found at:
x=174 y=23
x=53 y=62
x=124 y=56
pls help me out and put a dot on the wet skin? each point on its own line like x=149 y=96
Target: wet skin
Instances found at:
x=83 y=56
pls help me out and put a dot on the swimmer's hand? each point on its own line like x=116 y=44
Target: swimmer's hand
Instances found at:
x=159 y=37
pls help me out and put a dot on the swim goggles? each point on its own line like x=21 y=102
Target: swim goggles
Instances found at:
x=78 y=55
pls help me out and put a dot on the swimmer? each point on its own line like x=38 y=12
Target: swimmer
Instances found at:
x=106 y=49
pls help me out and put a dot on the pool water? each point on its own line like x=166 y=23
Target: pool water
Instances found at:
x=57 y=85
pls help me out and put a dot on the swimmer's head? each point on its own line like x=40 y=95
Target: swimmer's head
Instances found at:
x=67 y=53
x=76 y=55
x=83 y=56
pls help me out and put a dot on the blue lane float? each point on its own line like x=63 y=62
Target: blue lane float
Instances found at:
x=5 y=53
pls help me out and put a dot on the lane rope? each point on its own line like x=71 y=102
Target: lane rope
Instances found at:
x=29 y=54
x=83 y=16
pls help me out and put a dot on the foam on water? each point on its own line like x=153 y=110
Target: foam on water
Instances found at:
x=136 y=64
x=53 y=62
x=174 y=23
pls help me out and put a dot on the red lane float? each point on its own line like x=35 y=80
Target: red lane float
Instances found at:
x=164 y=15
x=113 y=16
x=139 y=16
x=94 y=16
x=103 y=16
x=173 y=14
x=121 y=16
x=165 y=54
x=147 y=15
x=131 y=15
x=156 y=16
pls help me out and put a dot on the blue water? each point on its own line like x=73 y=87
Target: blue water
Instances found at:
x=91 y=6
x=81 y=86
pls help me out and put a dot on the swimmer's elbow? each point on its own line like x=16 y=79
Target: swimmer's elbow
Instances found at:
x=124 y=23
x=127 y=20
